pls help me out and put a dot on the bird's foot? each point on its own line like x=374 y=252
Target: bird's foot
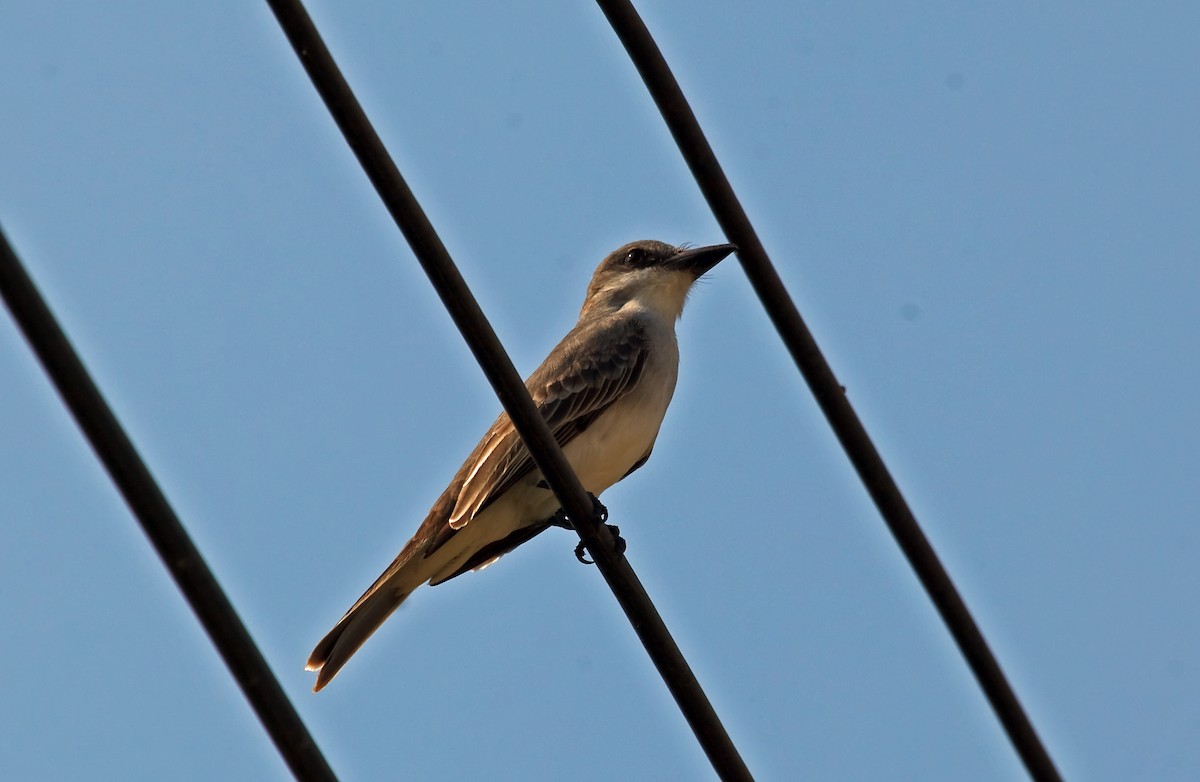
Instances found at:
x=618 y=545
x=598 y=508
x=561 y=519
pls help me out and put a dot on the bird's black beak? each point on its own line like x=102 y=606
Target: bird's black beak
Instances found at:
x=699 y=260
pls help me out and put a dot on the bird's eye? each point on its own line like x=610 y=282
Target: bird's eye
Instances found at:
x=635 y=256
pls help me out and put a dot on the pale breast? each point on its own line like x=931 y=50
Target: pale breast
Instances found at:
x=619 y=438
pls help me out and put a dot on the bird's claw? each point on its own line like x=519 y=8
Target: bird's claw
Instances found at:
x=599 y=509
x=561 y=519
x=618 y=541
x=579 y=554
x=618 y=545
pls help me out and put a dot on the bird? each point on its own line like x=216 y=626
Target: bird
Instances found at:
x=603 y=391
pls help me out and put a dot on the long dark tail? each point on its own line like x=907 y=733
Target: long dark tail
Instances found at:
x=340 y=644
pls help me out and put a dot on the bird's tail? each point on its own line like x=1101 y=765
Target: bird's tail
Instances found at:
x=353 y=630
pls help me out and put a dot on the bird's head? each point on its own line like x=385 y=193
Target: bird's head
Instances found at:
x=653 y=274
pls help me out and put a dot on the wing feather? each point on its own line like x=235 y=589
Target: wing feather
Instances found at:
x=593 y=367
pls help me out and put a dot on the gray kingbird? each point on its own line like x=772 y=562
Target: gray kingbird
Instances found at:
x=603 y=390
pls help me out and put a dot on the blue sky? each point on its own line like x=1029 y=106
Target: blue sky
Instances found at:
x=988 y=213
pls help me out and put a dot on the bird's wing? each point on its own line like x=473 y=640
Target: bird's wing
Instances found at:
x=594 y=366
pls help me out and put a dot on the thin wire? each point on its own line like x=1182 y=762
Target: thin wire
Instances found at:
x=498 y=368
x=158 y=520
x=829 y=393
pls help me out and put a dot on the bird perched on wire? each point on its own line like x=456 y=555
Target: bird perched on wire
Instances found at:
x=603 y=390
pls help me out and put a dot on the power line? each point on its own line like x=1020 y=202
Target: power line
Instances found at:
x=164 y=529
x=498 y=368
x=821 y=381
